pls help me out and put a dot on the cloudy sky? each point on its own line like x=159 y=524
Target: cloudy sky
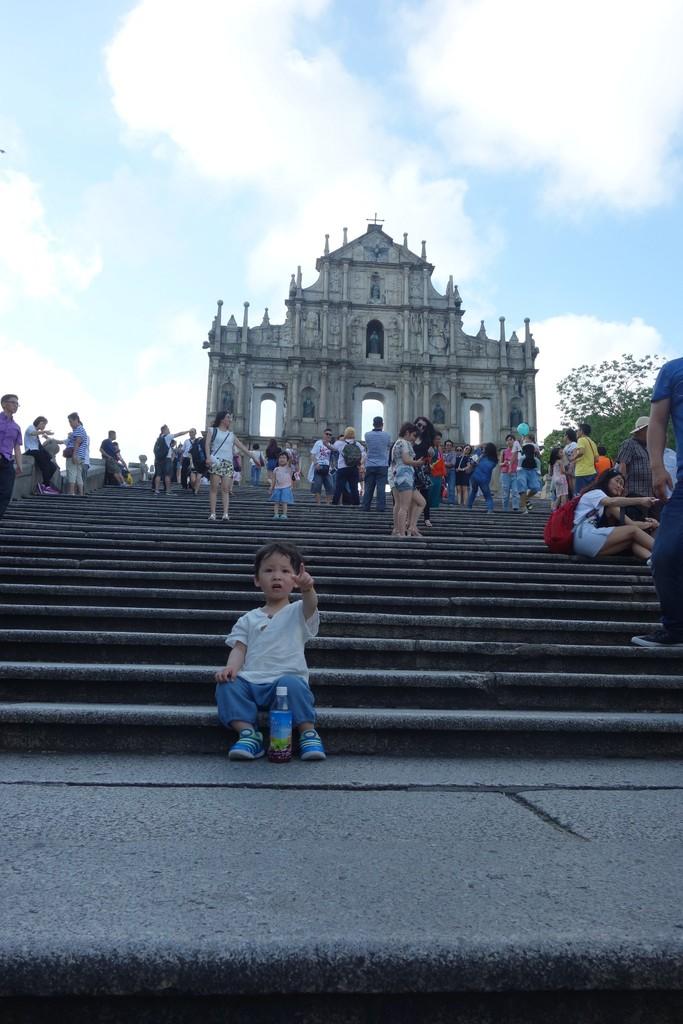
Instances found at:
x=163 y=154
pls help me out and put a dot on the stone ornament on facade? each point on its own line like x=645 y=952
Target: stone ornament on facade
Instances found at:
x=371 y=325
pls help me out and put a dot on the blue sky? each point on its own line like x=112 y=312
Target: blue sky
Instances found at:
x=164 y=154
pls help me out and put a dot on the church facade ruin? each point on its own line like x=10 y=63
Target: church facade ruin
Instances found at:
x=372 y=326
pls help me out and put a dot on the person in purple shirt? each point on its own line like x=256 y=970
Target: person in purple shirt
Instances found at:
x=10 y=449
x=667 y=555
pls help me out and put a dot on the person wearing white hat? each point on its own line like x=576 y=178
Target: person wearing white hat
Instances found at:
x=634 y=464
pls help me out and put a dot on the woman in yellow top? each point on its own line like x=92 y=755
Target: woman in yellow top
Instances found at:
x=584 y=458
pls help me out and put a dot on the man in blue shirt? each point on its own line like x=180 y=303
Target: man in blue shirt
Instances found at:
x=667 y=556
x=376 y=464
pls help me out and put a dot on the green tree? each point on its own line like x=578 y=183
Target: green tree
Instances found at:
x=610 y=396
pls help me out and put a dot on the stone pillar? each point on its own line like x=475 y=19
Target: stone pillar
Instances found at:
x=455 y=411
x=297 y=328
x=343 y=403
x=245 y=330
x=326 y=280
x=344 y=334
x=406 y=284
x=293 y=399
x=322 y=404
x=325 y=321
x=406 y=334
x=240 y=412
x=501 y=428
x=406 y=412
x=345 y=282
x=425 y=334
x=531 y=401
x=425 y=286
x=426 y=395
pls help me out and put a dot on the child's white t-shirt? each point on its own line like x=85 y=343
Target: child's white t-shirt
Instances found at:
x=275 y=647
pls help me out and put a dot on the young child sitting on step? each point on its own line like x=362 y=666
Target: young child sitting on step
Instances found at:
x=268 y=651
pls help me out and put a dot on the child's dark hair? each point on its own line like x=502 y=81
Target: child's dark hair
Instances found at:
x=490 y=451
x=555 y=454
x=278 y=547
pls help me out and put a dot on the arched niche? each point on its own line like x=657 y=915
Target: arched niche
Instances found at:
x=439 y=410
x=374 y=339
x=308 y=403
x=227 y=398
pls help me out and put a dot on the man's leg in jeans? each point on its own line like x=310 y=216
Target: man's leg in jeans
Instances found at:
x=382 y=476
x=667 y=563
x=7 y=478
x=370 y=481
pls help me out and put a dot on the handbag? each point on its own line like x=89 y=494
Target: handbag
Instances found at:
x=68 y=452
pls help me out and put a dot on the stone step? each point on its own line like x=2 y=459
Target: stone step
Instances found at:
x=503 y=583
x=99 y=646
x=41 y=596
x=333 y=623
x=193 y=685
x=430 y=733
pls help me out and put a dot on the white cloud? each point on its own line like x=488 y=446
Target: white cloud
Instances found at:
x=572 y=340
x=591 y=93
x=33 y=262
x=248 y=109
x=167 y=385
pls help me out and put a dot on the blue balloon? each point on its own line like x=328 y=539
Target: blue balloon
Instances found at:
x=523 y=429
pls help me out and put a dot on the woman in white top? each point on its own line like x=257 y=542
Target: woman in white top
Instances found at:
x=219 y=447
x=606 y=496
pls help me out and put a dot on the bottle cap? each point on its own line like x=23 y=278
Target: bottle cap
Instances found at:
x=280 y=691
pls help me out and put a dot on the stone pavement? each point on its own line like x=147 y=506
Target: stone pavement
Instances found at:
x=146 y=877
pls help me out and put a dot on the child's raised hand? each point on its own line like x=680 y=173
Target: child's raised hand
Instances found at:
x=303 y=580
x=225 y=675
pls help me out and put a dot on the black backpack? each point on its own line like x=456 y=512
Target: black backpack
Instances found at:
x=352 y=454
x=160 y=449
x=197 y=453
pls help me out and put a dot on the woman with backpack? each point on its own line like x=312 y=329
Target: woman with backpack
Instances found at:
x=219 y=448
x=348 y=467
x=599 y=505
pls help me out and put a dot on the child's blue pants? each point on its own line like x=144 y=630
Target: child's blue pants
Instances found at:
x=240 y=701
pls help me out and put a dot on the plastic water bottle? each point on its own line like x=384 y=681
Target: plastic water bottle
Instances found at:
x=280 y=746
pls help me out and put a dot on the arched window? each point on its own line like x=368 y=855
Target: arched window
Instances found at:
x=476 y=424
x=267 y=416
x=370 y=407
x=374 y=339
x=439 y=410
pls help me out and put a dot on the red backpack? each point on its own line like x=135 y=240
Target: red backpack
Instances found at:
x=558 y=532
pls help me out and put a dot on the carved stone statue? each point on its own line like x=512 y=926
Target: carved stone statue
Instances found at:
x=308 y=409
x=374 y=342
x=438 y=414
x=374 y=290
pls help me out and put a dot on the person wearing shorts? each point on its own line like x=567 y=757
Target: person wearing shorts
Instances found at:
x=408 y=502
x=322 y=480
x=219 y=445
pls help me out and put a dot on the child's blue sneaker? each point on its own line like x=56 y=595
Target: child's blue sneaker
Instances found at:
x=248 y=747
x=311 y=746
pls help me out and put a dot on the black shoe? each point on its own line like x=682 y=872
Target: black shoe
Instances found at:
x=661 y=638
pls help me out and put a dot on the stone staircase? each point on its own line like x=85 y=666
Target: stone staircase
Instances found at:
x=471 y=641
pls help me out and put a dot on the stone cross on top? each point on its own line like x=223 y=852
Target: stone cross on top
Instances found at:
x=374 y=220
